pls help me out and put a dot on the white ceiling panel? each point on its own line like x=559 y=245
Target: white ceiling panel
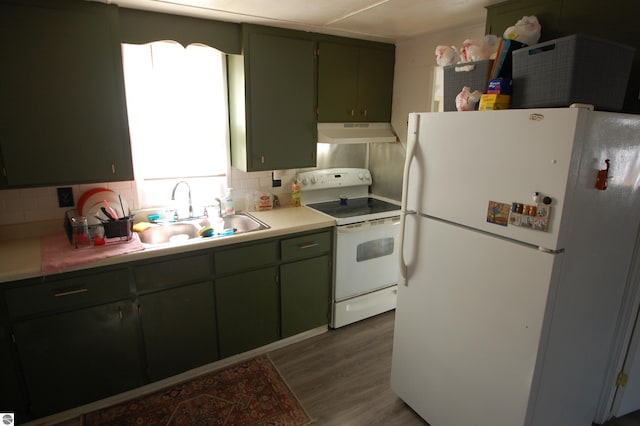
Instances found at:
x=384 y=20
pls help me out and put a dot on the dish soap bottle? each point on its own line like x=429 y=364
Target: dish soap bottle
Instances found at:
x=295 y=195
x=228 y=203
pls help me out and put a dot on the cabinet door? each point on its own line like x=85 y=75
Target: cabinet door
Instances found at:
x=76 y=357
x=337 y=82
x=247 y=307
x=276 y=127
x=12 y=397
x=355 y=83
x=305 y=288
x=504 y=15
x=179 y=328
x=375 y=84
x=62 y=106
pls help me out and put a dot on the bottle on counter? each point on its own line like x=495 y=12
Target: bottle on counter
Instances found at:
x=229 y=208
x=296 y=196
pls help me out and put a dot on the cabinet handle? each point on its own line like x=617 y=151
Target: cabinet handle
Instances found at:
x=307 y=245
x=4 y=172
x=70 y=292
x=262 y=159
x=364 y=112
x=353 y=112
x=113 y=168
x=120 y=313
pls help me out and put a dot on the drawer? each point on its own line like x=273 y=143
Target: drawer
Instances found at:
x=247 y=257
x=88 y=289
x=165 y=273
x=305 y=246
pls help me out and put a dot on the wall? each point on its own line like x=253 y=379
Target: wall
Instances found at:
x=414 y=72
x=412 y=92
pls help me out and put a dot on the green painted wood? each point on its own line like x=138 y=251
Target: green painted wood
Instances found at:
x=236 y=259
x=168 y=271
x=67 y=291
x=504 y=15
x=375 y=84
x=62 y=104
x=305 y=246
x=355 y=82
x=337 y=82
x=179 y=329
x=140 y=26
x=76 y=357
x=272 y=98
x=305 y=295
x=12 y=397
x=248 y=310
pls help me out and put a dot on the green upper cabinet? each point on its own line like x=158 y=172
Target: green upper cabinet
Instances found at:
x=272 y=93
x=63 y=114
x=504 y=15
x=355 y=82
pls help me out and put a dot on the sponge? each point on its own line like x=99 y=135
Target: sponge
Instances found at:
x=206 y=231
x=141 y=226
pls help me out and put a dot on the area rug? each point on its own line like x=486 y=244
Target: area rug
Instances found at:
x=250 y=393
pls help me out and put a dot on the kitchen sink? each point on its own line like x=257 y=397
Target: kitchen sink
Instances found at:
x=182 y=231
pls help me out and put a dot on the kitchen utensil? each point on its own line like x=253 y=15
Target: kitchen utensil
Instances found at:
x=106 y=213
x=114 y=215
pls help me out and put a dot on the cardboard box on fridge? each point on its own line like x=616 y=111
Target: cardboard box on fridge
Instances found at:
x=492 y=101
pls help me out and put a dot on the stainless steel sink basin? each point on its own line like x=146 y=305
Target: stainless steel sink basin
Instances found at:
x=177 y=232
x=169 y=233
x=242 y=223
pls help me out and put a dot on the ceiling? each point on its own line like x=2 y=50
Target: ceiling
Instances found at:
x=382 y=20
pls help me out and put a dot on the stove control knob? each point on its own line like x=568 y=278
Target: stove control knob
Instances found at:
x=361 y=176
x=367 y=176
x=304 y=181
x=313 y=179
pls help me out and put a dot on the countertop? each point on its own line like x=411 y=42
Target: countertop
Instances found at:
x=22 y=258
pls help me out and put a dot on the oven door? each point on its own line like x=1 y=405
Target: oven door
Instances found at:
x=366 y=257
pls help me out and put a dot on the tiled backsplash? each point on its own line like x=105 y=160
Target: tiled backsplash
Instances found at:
x=20 y=206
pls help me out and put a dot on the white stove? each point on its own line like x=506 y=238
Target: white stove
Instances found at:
x=367 y=237
x=344 y=195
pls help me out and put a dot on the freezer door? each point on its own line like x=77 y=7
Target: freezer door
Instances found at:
x=465 y=160
x=468 y=325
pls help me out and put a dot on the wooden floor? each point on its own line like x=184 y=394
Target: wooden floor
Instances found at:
x=342 y=376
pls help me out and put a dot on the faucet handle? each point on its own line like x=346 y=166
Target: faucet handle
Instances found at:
x=174 y=213
x=206 y=209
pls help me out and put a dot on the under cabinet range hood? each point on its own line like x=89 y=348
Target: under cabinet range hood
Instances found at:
x=343 y=133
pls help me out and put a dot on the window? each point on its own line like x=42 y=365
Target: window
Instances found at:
x=178 y=120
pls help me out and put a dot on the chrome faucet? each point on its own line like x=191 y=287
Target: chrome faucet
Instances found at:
x=173 y=198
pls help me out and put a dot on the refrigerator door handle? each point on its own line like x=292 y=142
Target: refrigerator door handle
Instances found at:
x=412 y=140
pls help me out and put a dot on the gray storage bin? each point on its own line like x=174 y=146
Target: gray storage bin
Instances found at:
x=454 y=81
x=572 y=69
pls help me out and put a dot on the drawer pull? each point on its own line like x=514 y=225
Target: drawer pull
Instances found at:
x=70 y=292
x=307 y=245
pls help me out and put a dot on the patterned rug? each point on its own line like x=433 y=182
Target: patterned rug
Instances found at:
x=248 y=393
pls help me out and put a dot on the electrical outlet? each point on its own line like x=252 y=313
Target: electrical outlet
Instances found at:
x=275 y=182
x=65 y=197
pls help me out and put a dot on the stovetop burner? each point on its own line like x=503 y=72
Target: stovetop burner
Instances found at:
x=354 y=207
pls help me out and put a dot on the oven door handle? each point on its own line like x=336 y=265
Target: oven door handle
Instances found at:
x=412 y=141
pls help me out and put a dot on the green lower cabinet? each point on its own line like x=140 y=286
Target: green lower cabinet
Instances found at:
x=12 y=398
x=305 y=291
x=179 y=328
x=76 y=357
x=248 y=310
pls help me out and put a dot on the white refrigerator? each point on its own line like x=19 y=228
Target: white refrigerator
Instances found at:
x=518 y=233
